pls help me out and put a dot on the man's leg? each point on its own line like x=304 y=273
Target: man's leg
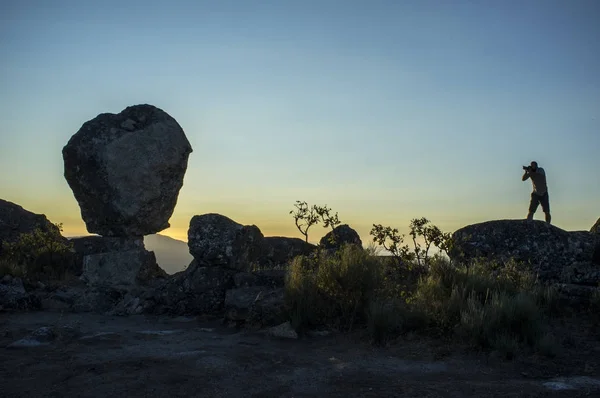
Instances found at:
x=545 y=202
x=533 y=205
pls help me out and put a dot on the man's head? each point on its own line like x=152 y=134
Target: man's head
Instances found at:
x=534 y=165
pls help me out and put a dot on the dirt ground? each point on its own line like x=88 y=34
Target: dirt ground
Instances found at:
x=141 y=356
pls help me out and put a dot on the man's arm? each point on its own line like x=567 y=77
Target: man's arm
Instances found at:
x=525 y=176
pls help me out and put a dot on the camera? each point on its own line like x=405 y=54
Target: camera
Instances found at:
x=527 y=168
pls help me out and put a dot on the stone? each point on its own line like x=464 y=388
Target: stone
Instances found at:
x=14 y=297
x=551 y=253
x=97 y=300
x=268 y=309
x=121 y=269
x=126 y=170
x=216 y=240
x=95 y=244
x=196 y=291
x=238 y=302
x=278 y=251
x=284 y=331
x=340 y=236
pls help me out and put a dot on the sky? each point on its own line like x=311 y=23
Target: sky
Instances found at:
x=382 y=110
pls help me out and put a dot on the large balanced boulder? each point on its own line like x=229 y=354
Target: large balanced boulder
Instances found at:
x=551 y=253
x=340 y=236
x=126 y=170
x=216 y=240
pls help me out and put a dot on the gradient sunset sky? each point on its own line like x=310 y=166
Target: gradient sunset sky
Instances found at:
x=383 y=110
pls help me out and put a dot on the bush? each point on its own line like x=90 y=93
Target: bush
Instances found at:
x=488 y=306
x=332 y=288
x=491 y=306
x=388 y=319
x=37 y=255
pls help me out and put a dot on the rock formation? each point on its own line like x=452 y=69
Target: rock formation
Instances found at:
x=553 y=254
x=126 y=170
x=225 y=275
x=339 y=236
x=215 y=240
x=15 y=220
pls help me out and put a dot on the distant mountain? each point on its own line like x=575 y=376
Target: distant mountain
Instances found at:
x=171 y=254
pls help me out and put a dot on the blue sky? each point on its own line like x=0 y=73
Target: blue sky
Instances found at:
x=383 y=110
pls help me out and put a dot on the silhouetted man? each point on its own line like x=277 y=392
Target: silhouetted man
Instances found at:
x=540 y=190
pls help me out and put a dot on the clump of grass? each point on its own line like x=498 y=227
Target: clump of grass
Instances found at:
x=332 y=288
x=499 y=318
x=388 y=319
x=495 y=307
x=489 y=306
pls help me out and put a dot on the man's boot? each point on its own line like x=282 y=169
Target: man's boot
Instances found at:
x=529 y=216
x=548 y=217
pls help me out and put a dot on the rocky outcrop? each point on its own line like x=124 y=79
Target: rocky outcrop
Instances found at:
x=278 y=251
x=196 y=291
x=15 y=220
x=126 y=170
x=216 y=240
x=551 y=253
x=340 y=236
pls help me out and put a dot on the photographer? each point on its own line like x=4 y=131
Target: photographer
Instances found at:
x=540 y=190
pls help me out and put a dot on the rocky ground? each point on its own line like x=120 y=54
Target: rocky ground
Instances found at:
x=49 y=354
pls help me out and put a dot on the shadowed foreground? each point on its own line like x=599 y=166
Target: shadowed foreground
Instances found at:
x=157 y=357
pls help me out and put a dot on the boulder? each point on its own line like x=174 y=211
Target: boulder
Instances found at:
x=122 y=269
x=196 y=291
x=215 y=240
x=126 y=170
x=552 y=253
x=268 y=309
x=283 y=331
x=256 y=306
x=238 y=302
x=278 y=251
x=88 y=245
x=14 y=297
x=339 y=236
x=15 y=220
